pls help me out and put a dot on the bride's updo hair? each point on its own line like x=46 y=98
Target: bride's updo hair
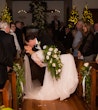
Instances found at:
x=30 y=36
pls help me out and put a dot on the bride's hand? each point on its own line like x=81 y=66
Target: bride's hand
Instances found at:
x=29 y=50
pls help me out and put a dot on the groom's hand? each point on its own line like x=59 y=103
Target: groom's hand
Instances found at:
x=29 y=50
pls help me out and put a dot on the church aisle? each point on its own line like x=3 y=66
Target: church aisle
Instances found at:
x=73 y=103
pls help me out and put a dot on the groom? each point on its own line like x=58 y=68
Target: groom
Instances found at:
x=32 y=41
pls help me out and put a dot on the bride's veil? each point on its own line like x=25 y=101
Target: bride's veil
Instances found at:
x=28 y=82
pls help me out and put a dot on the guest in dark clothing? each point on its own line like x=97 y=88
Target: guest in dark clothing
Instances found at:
x=19 y=34
x=86 y=48
x=96 y=38
x=7 y=52
x=67 y=39
x=55 y=24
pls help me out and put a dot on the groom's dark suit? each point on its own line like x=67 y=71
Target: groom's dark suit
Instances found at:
x=36 y=71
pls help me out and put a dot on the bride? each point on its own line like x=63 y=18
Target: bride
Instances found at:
x=51 y=89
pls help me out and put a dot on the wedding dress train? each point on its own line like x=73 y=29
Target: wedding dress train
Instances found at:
x=52 y=89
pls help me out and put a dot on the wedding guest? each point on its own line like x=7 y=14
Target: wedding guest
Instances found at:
x=12 y=32
x=19 y=34
x=77 y=38
x=86 y=49
x=67 y=39
x=8 y=51
x=96 y=39
x=55 y=24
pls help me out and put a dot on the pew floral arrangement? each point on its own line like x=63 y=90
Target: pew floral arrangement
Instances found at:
x=86 y=81
x=53 y=61
x=20 y=79
x=5 y=108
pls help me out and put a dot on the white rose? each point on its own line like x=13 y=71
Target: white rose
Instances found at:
x=86 y=64
x=51 y=61
x=56 y=72
x=44 y=47
x=59 y=70
x=50 y=49
x=49 y=53
x=55 y=56
x=54 y=65
x=47 y=57
x=19 y=67
x=55 y=50
x=90 y=67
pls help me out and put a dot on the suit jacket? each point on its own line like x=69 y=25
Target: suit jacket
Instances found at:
x=19 y=35
x=96 y=43
x=7 y=53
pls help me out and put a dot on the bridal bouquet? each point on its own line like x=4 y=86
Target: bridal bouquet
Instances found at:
x=52 y=58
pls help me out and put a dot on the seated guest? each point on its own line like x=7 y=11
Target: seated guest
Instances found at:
x=86 y=48
x=77 y=37
x=96 y=40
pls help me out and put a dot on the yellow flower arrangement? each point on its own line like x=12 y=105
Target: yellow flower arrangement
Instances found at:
x=5 y=15
x=74 y=17
x=5 y=108
x=87 y=15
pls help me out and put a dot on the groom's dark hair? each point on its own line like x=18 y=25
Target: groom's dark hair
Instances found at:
x=30 y=36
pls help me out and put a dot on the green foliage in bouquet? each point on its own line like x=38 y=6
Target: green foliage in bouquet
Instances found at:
x=53 y=61
x=5 y=15
x=87 y=15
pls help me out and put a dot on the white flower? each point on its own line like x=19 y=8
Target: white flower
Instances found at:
x=90 y=67
x=47 y=57
x=54 y=65
x=55 y=50
x=44 y=47
x=59 y=70
x=49 y=53
x=51 y=61
x=50 y=49
x=55 y=56
x=86 y=64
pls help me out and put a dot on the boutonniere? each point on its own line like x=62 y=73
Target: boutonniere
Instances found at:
x=37 y=46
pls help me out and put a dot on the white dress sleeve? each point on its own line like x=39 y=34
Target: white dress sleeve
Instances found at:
x=38 y=58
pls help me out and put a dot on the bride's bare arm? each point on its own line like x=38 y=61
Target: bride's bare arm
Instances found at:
x=38 y=58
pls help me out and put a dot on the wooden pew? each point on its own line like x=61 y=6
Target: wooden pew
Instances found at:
x=12 y=78
x=94 y=82
x=6 y=94
x=79 y=64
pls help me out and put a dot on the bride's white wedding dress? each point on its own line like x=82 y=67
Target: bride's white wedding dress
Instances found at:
x=52 y=89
